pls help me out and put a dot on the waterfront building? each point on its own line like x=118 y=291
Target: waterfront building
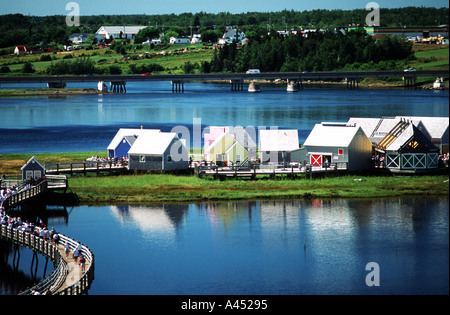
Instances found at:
x=158 y=151
x=124 y=139
x=341 y=144
x=275 y=146
x=33 y=170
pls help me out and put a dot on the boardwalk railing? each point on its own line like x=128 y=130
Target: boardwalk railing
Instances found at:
x=23 y=192
x=56 y=282
x=83 y=167
x=255 y=170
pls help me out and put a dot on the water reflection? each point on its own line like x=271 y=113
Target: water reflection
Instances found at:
x=293 y=247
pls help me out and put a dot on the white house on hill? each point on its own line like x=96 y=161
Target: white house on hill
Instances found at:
x=114 y=32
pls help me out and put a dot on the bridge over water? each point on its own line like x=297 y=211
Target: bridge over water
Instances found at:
x=236 y=80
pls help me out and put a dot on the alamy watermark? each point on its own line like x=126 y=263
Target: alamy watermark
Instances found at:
x=73 y=18
x=373 y=18
x=373 y=277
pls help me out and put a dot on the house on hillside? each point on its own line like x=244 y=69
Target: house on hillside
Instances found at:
x=115 y=32
x=19 y=50
x=180 y=40
x=340 y=144
x=162 y=151
x=275 y=146
x=232 y=35
x=33 y=170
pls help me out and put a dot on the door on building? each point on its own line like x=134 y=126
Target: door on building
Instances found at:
x=316 y=160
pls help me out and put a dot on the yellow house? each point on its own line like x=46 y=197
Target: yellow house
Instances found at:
x=226 y=149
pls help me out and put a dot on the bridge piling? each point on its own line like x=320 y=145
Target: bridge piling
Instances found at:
x=177 y=86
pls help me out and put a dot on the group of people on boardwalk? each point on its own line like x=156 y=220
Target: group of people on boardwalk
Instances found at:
x=40 y=229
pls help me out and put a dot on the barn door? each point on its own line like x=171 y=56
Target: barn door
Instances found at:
x=316 y=160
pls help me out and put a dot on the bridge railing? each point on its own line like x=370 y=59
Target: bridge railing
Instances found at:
x=58 y=276
x=22 y=193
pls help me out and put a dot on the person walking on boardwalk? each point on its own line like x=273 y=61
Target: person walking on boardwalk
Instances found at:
x=82 y=263
x=67 y=249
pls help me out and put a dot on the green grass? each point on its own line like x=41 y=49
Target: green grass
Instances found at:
x=171 y=188
x=151 y=188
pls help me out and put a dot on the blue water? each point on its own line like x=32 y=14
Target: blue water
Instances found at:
x=266 y=248
x=88 y=122
x=247 y=247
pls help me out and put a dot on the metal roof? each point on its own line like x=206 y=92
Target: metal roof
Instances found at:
x=332 y=135
x=153 y=144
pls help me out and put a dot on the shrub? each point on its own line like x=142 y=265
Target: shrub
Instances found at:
x=27 y=68
x=115 y=70
x=5 y=69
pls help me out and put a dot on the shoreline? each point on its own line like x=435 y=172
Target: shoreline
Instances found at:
x=93 y=91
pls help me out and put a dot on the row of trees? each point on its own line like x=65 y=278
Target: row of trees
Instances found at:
x=321 y=51
x=17 y=29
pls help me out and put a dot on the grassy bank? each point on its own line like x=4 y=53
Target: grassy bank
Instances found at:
x=134 y=189
x=157 y=188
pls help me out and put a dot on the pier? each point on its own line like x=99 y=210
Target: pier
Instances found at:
x=118 y=82
x=85 y=167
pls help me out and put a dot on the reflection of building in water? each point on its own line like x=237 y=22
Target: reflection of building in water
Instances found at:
x=228 y=213
x=163 y=218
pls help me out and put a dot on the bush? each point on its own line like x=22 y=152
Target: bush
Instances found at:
x=115 y=70
x=27 y=68
x=46 y=58
x=5 y=69
x=78 y=66
x=144 y=68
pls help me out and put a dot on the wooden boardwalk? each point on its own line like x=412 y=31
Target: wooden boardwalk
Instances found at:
x=271 y=171
x=84 y=167
x=25 y=191
x=67 y=278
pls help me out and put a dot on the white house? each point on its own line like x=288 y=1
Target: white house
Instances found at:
x=196 y=39
x=180 y=40
x=341 y=144
x=230 y=36
x=20 y=50
x=162 y=151
x=121 y=143
x=114 y=32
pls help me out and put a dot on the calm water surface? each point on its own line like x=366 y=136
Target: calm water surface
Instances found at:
x=295 y=247
x=88 y=122
x=235 y=248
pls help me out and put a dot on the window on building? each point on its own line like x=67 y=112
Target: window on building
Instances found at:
x=169 y=159
x=142 y=158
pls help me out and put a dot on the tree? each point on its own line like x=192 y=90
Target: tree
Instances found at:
x=146 y=33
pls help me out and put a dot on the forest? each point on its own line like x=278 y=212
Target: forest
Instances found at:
x=18 y=29
x=320 y=51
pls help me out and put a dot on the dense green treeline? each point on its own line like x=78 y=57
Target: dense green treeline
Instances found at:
x=17 y=29
x=320 y=51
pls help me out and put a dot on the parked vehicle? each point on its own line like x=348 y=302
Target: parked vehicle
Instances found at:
x=253 y=71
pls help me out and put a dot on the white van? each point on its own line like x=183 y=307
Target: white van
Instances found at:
x=252 y=71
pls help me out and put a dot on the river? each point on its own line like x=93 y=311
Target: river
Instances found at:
x=295 y=247
x=89 y=122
